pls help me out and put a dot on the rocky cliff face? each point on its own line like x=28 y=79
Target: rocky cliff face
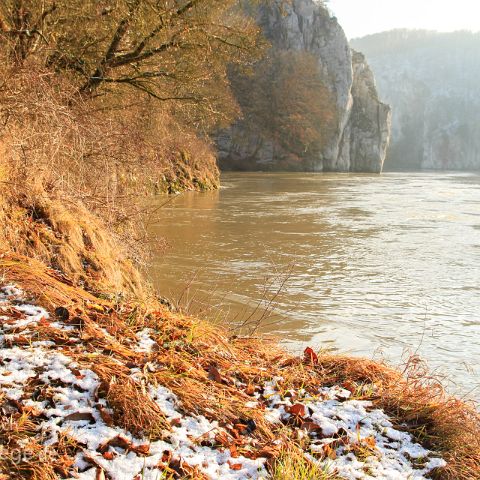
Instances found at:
x=360 y=136
x=431 y=80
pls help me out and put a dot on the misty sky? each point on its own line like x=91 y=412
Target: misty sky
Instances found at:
x=362 y=17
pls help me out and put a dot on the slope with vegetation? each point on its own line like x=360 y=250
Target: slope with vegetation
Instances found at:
x=101 y=103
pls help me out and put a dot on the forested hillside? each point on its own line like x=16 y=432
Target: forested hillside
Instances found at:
x=431 y=81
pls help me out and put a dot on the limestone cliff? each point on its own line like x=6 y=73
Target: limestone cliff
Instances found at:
x=360 y=134
x=431 y=80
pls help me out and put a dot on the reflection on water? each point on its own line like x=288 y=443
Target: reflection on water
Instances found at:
x=380 y=263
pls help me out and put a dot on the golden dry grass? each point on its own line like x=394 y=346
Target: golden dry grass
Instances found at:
x=71 y=240
x=134 y=410
x=74 y=175
x=201 y=365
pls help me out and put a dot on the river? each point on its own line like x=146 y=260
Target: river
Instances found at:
x=375 y=266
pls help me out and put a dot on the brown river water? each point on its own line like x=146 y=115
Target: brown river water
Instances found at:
x=375 y=266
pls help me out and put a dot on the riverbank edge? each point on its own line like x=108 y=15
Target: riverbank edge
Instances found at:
x=202 y=366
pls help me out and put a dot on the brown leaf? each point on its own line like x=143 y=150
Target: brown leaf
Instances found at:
x=310 y=356
x=329 y=452
x=250 y=390
x=19 y=340
x=118 y=441
x=106 y=417
x=32 y=411
x=311 y=427
x=167 y=456
x=214 y=374
x=141 y=449
x=240 y=427
x=370 y=442
x=290 y=361
x=235 y=466
x=233 y=451
x=222 y=439
x=108 y=455
x=79 y=417
x=298 y=410
x=269 y=451
x=350 y=386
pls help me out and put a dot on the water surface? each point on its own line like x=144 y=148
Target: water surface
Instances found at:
x=374 y=265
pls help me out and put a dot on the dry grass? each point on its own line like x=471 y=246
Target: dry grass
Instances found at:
x=71 y=240
x=74 y=175
x=134 y=410
x=23 y=457
x=201 y=365
x=292 y=464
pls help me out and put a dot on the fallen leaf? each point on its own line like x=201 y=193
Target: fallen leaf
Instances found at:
x=141 y=449
x=233 y=451
x=32 y=411
x=167 y=456
x=350 y=386
x=370 y=442
x=214 y=374
x=250 y=390
x=80 y=417
x=118 y=441
x=269 y=452
x=311 y=427
x=245 y=426
x=222 y=439
x=310 y=356
x=235 y=466
x=329 y=452
x=290 y=361
x=19 y=340
x=106 y=417
x=298 y=410
x=108 y=455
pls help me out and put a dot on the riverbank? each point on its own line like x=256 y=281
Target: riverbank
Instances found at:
x=96 y=388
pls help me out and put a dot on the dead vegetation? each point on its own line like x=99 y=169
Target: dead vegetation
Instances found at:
x=74 y=176
x=216 y=377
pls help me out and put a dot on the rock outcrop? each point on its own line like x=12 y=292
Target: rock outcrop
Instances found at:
x=360 y=136
x=431 y=81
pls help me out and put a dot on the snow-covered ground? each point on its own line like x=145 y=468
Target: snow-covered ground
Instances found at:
x=347 y=437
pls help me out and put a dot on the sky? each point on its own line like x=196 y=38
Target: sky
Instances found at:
x=363 y=17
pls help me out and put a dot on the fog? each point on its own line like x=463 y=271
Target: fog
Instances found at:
x=359 y=18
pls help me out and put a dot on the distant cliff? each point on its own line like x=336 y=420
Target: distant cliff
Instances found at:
x=431 y=81
x=337 y=121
